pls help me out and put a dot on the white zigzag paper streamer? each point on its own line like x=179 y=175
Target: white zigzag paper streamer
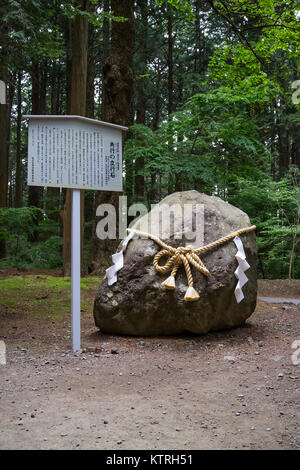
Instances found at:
x=118 y=260
x=239 y=272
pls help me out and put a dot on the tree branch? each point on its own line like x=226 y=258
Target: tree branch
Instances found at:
x=237 y=31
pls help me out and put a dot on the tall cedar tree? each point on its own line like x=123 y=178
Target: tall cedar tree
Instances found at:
x=117 y=98
x=3 y=127
x=77 y=107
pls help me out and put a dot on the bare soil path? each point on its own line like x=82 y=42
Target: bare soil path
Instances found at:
x=235 y=389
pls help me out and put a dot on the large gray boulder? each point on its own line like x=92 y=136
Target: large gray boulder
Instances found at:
x=137 y=304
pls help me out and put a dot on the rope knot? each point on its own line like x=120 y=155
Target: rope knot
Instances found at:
x=185 y=255
x=183 y=250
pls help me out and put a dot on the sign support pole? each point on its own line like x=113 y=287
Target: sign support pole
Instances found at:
x=75 y=269
x=60 y=166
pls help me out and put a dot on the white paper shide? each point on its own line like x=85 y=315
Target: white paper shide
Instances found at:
x=118 y=261
x=240 y=270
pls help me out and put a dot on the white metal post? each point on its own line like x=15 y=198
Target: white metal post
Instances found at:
x=75 y=269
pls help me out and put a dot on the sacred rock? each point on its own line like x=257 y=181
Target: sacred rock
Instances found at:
x=138 y=303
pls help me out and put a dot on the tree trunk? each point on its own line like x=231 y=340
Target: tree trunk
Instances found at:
x=283 y=139
x=3 y=155
x=18 y=180
x=283 y=148
x=117 y=97
x=90 y=86
x=89 y=200
x=118 y=68
x=170 y=59
x=10 y=99
x=69 y=48
x=77 y=107
x=157 y=97
x=170 y=84
x=295 y=240
x=54 y=89
x=139 y=186
x=104 y=54
x=3 y=128
x=53 y=194
x=43 y=86
x=273 y=142
x=295 y=150
x=35 y=192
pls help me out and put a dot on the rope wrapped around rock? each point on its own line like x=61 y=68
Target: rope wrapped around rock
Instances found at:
x=185 y=255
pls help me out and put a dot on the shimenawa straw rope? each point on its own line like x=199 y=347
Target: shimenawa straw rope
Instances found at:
x=185 y=255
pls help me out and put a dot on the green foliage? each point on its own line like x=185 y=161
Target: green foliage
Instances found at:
x=33 y=32
x=182 y=5
x=208 y=144
x=15 y=223
x=274 y=207
x=47 y=254
x=93 y=15
x=16 y=227
x=214 y=145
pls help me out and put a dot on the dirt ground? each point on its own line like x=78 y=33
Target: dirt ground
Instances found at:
x=235 y=389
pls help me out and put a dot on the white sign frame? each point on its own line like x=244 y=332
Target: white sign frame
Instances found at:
x=66 y=152
x=74 y=152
